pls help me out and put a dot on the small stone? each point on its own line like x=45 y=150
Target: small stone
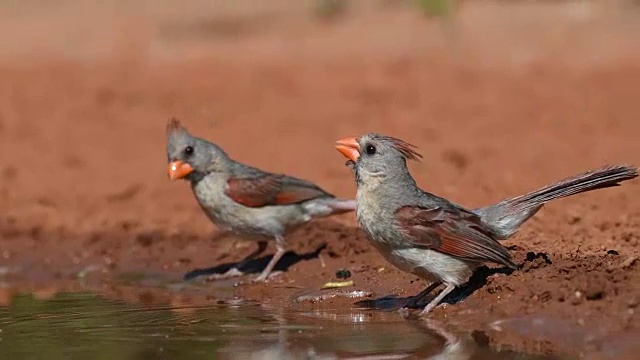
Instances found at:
x=343 y=274
x=577 y=298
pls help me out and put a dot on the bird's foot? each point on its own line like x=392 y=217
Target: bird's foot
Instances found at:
x=264 y=276
x=404 y=311
x=438 y=299
x=231 y=273
x=430 y=307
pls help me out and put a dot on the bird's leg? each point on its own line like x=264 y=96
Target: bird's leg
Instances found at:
x=274 y=260
x=235 y=270
x=415 y=300
x=437 y=299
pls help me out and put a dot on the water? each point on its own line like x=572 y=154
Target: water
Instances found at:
x=87 y=326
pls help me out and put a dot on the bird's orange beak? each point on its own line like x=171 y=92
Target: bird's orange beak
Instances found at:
x=349 y=147
x=179 y=169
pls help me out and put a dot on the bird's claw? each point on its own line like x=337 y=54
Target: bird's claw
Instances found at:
x=430 y=307
x=404 y=311
x=231 y=273
x=264 y=277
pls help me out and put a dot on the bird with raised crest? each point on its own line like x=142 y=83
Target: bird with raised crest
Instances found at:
x=431 y=237
x=243 y=200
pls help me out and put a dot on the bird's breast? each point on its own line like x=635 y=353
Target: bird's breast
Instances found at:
x=210 y=196
x=376 y=219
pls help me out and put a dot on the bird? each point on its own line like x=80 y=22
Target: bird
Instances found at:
x=432 y=237
x=243 y=200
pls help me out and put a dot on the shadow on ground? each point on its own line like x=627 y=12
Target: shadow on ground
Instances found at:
x=476 y=282
x=289 y=259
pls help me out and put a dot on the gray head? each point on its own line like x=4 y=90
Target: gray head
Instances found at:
x=377 y=158
x=189 y=157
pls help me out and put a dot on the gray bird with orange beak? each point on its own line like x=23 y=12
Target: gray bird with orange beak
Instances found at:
x=240 y=199
x=431 y=237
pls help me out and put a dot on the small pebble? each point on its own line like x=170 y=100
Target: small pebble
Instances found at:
x=577 y=299
x=343 y=274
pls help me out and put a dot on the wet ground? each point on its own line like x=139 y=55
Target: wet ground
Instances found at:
x=497 y=103
x=74 y=325
x=84 y=325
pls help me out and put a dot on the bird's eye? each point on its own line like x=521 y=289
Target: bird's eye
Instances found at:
x=370 y=149
x=188 y=150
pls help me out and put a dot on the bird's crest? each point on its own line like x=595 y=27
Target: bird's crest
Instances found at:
x=174 y=126
x=407 y=150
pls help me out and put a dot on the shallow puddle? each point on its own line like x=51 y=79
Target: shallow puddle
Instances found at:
x=87 y=326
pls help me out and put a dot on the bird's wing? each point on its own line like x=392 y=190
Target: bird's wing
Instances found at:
x=264 y=189
x=452 y=231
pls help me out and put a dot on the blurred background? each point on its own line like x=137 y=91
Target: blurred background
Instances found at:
x=497 y=94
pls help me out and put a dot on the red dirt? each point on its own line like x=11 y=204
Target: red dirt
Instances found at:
x=84 y=175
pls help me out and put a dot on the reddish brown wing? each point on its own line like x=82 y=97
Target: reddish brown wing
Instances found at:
x=271 y=190
x=453 y=231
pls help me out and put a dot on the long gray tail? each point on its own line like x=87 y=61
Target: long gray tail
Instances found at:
x=507 y=216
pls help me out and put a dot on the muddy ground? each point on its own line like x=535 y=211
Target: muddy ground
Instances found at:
x=500 y=100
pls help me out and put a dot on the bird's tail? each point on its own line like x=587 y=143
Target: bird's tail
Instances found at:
x=340 y=206
x=329 y=206
x=507 y=216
